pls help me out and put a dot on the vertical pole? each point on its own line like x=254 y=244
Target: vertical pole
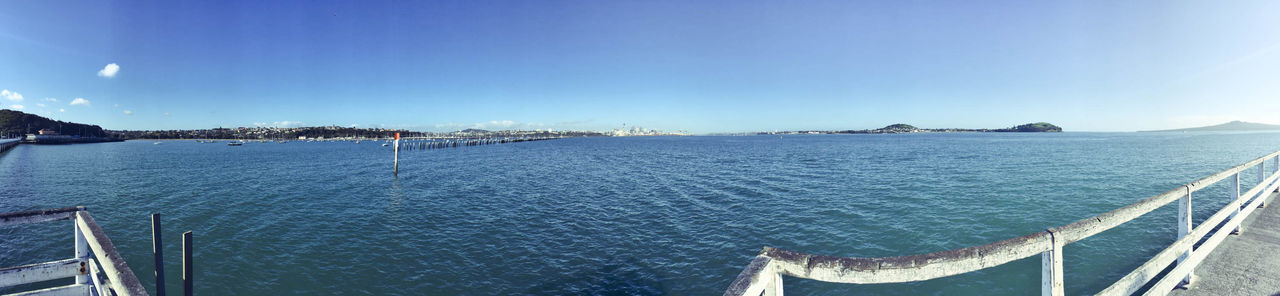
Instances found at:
x=1262 y=178
x=1051 y=268
x=774 y=288
x=82 y=252
x=1184 y=227
x=187 y=268
x=157 y=249
x=1235 y=200
x=396 y=147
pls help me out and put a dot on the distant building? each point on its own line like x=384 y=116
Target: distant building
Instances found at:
x=48 y=132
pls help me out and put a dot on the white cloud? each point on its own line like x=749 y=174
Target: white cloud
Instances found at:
x=109 y=71
x=80 y=101
x=17 y=107
x=128 y=112
x=166 y=114
x=62 y=110
x=11 y=95
x=51 y=100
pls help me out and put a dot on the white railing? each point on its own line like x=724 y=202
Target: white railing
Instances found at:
x=763 y=276
x=96 y=267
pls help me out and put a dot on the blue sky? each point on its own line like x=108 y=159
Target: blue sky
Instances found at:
x=700 y=66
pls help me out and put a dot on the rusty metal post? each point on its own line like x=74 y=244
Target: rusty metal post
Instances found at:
x=157 y=249
x=187 y=269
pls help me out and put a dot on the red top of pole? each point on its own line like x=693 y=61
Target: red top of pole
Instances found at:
x=397 y=136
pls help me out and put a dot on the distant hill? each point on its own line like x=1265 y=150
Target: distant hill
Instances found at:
x=18 y=123
x=1226 y=127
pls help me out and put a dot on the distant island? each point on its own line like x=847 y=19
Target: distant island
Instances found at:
x=1233 y=126
x=900 y=128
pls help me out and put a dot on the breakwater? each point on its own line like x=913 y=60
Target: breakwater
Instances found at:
x=419 y=144
x=6 y=144
x=64 y=139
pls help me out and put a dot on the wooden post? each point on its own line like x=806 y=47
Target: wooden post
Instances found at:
x=1234 y=190
x=157 y=249
x=1262 y=177
x=1051 y=268
x=396 y=147
x=1184 y=227
x=187 y=264
x=774 y=288
x=82 y=252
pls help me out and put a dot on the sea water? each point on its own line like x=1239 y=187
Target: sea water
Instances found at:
x=610 y=216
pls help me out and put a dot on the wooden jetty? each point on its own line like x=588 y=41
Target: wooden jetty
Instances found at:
x=97 y=268
x=1245 y=265
x=6 y=144
x=763 y=276
x=419 y=144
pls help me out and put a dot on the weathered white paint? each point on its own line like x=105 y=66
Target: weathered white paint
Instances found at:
x=39 y=272
x=1048 y=243
x=1166 y=284
x=753 y=279
x=70 y=290
x=1262 y=177
x=1184 y=228
x=1234 y=190
x=1051 y=269
x=27 y=217
x=95 y=277
x=907 y=268
x=121 y=277
x=82 y=253
x=1139 y=277
x=774 y=288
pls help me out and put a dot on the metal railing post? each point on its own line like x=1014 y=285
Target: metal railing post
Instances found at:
x=82 y=252
x=187 y=268
x=1235 y=200
x=157 y=249
x=1051 y=268
x=1184 y=227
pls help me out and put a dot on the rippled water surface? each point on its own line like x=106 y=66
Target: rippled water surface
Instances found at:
x=635 y=216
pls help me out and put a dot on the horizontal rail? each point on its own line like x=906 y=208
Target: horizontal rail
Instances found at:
x=1139 y=277
x=123 y=281
x=907 y=268
x=69 y=290
x=753 y=279
x=37 y=216
x=963 y=260
x=39 y=272
x=1175 y=276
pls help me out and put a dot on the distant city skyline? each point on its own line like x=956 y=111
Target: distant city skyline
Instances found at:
x=697 y=66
